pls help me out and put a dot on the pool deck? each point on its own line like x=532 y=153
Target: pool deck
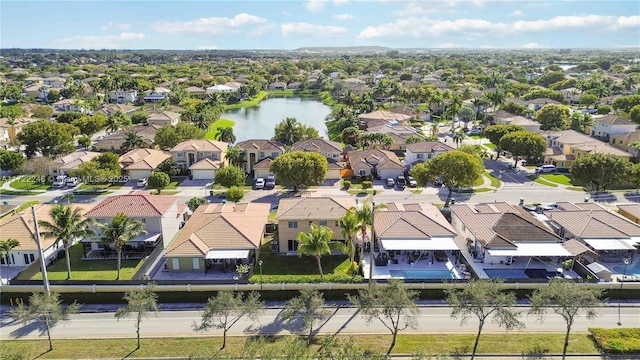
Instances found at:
x=383 y=272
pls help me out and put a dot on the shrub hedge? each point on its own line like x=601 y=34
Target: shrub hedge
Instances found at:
x=617 y=341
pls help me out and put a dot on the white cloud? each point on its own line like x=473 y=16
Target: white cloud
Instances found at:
x=306 y=29
x=517 y=13
x=340 y=2
x=114 y=25
x=627 y=21
x=260 y=29
x=533 y=45
x=207 y=47
x=210 y=25
x=315 y=5
x=344 y=17
x=122 y=40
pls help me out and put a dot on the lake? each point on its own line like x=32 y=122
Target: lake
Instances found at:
x=258 y=122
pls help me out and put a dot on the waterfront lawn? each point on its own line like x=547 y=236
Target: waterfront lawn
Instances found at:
x=220 y=123
x=247 y=103
x=90 y=269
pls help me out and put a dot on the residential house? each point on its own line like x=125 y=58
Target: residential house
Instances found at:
x=202 y=157
x=532 y=76
x=278 y=85
x=64 y=164
x=332 y=150
x=197 y=92
x=564 y=147
x=352 y=83
x=70 y=105
x=295 y=215
x=37 y=91
x=630 y=211
x=121 y=96
x=54 y=81
x=111 y=109
x=572 y=95
x=606 y=126
x=140 y=163
x=9 y=132
x=217 y=237
x=417 y=153
x=502 y=117
x=498 y=236
x=295 y=85
x=383 y=117
x=398 y=133
x=164 y=118
x=624 y=142
x=155 y=95
x=221 y=89
x=114 y=142
x=256 y=150
x=20 y=226
x=375 y=162
x=160 y=215
x=537 y=104
x=33 y=80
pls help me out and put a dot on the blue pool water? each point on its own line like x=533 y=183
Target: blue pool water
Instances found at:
x=422 y=274
x=632 y=269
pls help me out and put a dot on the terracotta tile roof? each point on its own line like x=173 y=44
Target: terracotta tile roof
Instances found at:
x=207 y=164
x=632 y=209
x=613 y=120
x=576 y=248
x=428 y=146
x=201 y=145
x=163 y=116
x=133 y=205
x=383 y=159
x=630 y=136
x=263 y=164
x=221 y=226
x=582 y=142
x=402 y=222
x=309 y=208
x=261 y=145
x=73 y=160
x=589 y=224
x=143 y=159
x=318 y=145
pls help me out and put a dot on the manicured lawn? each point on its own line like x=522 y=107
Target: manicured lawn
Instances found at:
x=207 y=346
x=558 y=178
x=575 y=188
x=110 y=186
x=542 y=181
x=478 y=182
x=90 y=269
x=356 y=191
x=175 y=182
x=25 y=184
x=494 y=181
x=220 y=123
x=490 y=146
x=272 y=216
x=19 y=192
x=247 y=103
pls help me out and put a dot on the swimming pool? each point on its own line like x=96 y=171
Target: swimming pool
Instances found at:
x=632 y=269
x=519 y=273
x=422 y=274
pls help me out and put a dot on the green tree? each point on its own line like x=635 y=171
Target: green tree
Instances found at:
x=158 y=180
x=120 y=231
x=195 y=202
x=236 y=156
x=166 y=138
x=553 y=117
x=580 y=122
x=10 y=160
x=66 y=226
x=496 y=98
x=496 y=132
x=550 y=78
x=456 y=169
x=289 y=131
x=235 y=194
x=318 y=242
x=349 y=225
x=139 y=302
x=84 y=141
x=351 y=135
x=132 y=140
x=634 y=114
x=45 y=309
x=414 y=139
x=89 y=125
x=169 y=167
x=626 y=103
x=484 y=299
x=393 y=305
x=375 y=140
x=42 y=112
x=420 y=172
x=543 y=94
x=5 y=247
x=457 y=137
x=588 y=100
x=604 y=109
x=308 y=308
x=516 y=109
x=48 y=137
x=599 y=171
x=68 y=117
x=139 y=117
x=226 y=134
x=523 y=144
x=568 y=300
x=298 y=169
x=53 y=96
x=226 y=309
x=229 y=176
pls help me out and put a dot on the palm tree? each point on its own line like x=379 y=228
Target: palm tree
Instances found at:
x=458 y=136
x=67 y=224
x=317 y=243
x=120 y=231
x=288 y=131
x=496 y=98
x=115 y=122
x=5 y=248
x=226 y=134
x=236 y=156
x=349 y=226
x=132 y=140
x=454 y=108
x=105 y=83
x=68 y=197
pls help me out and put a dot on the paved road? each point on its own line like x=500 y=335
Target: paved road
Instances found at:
x=342 y=321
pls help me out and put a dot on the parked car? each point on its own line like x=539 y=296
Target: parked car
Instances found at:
x=475 y=132
x=259 y=184
x=73 y=181
x=270 y=183
x=60 y=181
x=412 y=182
x=142 y=182
x=546 y=168
x=438 y=182
x=390 y=182
x=401 y=182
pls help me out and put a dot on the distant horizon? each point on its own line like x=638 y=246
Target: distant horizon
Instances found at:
x=294 y=24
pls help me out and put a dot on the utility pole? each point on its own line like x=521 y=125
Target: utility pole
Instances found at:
x=43 y=264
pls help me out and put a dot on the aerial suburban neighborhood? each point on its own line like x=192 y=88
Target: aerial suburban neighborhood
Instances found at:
x=385 y=180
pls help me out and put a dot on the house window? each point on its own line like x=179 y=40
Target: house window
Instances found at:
x=26 y=258
x=363 y=173
x=180 y=155
x=293 y=224
x=261 y=154
x=420 y=156
x=214 y=156
x=292 y=245
x=32 y=258
x=322 y=222
x=334 y=156
x=336 y=224
x=200 y=155
x=310 y=223
x=274 y=155
x=175 y=263
x=428 y=156
x=196 y=263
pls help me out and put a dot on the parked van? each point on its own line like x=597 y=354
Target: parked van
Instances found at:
x=546 y=168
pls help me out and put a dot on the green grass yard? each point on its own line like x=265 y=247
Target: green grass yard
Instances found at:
x=558 y=179
x=220 y=123
x=489 y=145
x=26 y=184
x=541 y=181
x=247 y=103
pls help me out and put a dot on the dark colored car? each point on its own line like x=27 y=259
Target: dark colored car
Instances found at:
x=401 y=182
x=270 y=183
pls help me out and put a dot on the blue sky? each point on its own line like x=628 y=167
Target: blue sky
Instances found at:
x=292 y=24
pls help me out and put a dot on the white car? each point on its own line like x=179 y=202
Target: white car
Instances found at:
x=72 y=182
x=259 y=184
x=142 y=182
x=61 y=181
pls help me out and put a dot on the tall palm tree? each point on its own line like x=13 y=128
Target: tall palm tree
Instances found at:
x=458 y=136
x=236 y=156
x=288 y=131
x=67 y=225
x=349 y=226
x=226 y=134
x=318 y=242
x=5 y=248
x=496 y=98
x=120 y=231
x=132 y=140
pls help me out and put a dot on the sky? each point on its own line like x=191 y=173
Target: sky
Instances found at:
x=219 y=24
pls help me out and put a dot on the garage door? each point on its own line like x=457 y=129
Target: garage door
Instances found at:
x=390 y=173
x=333 y=174
x=202 y=174
x=138 y=174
